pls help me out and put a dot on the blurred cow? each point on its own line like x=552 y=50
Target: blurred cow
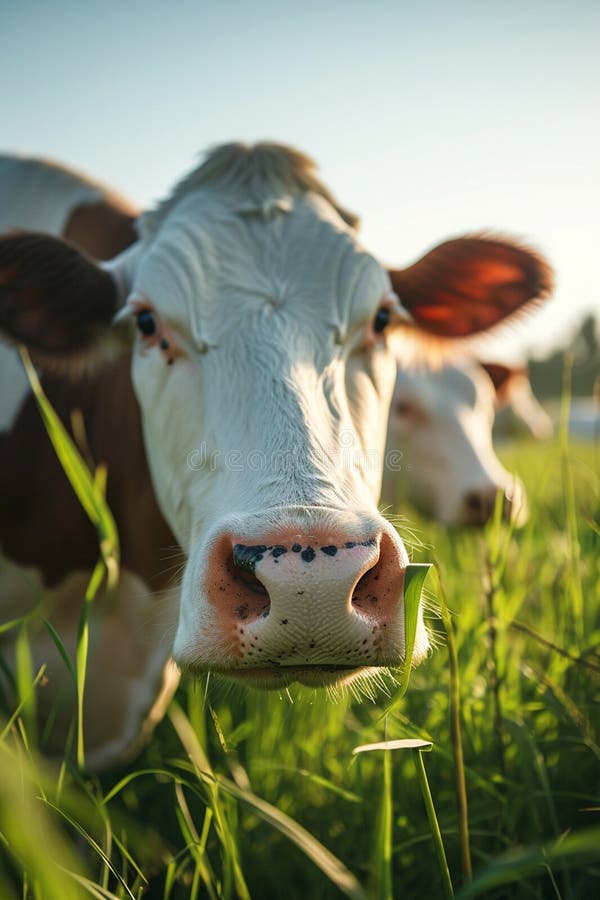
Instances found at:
x=441 y=423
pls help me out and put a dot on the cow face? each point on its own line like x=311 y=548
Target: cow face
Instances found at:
x=256 y=362
x=442 y=421
x=262 y=368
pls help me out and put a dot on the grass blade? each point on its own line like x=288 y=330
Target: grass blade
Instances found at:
x=434 y=826
x=81 y=654
x=22 y=703
x=26 y=683
x=577 y=624
x=403 y=744
x=414 y=579
x=456 y=732
x=86 y=486
x=381 y=883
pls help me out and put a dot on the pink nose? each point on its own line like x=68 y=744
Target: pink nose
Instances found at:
x=479 y=504
x=308 y=600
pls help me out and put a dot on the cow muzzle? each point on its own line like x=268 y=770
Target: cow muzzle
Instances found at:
x=479 y=503
x=309 y=604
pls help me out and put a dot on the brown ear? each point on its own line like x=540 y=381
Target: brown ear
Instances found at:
x=53 y=298
x=469 y=284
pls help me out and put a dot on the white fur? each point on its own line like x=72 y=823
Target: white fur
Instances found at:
x=267 y=297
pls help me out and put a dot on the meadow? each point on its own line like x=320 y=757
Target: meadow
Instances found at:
x=248 y=794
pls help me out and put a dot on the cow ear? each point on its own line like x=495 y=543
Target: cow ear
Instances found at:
x=53 y=298
x=469 y=284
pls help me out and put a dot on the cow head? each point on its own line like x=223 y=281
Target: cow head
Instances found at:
x=261 y=361
x=441 y=422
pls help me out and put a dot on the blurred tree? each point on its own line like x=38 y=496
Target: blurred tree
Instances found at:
x=546 y=374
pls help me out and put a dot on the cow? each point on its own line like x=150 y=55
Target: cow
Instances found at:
x=233 y=369
x=440 y=451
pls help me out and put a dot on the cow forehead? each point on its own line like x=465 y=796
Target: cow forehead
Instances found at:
x=209 y=259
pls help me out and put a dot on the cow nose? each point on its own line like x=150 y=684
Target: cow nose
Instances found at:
x=479 y=504
x=308 y=600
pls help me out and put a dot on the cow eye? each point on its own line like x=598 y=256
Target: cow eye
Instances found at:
x=403 y=408
x=382 y=317
x=146 y=322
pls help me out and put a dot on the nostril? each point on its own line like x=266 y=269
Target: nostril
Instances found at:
x=365 y=595
x=375 y=594
x=248 y=596
x=251 y=582
x=246 y=556
x=474 y=502
x=479 y=505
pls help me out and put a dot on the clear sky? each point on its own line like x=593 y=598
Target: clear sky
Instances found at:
x=428 y=118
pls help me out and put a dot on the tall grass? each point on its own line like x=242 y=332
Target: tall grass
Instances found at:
x=89 y=488
x=259 y=795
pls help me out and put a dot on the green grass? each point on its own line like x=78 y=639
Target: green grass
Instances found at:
x=245 y=794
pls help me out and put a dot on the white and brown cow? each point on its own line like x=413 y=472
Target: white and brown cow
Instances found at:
x=244 y=393
x=440 y=449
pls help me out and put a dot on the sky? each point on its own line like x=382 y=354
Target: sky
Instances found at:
x=429 y=119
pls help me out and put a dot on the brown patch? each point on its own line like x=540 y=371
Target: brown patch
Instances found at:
x=53 y=298
x=469 y=284
x=41 y=521
x=101 y=229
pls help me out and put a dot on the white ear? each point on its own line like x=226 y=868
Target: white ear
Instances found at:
x=122 y=269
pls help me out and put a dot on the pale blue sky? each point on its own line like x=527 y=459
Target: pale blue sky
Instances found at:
x=429 y=119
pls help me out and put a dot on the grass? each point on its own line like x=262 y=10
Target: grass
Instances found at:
x=256 y=795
